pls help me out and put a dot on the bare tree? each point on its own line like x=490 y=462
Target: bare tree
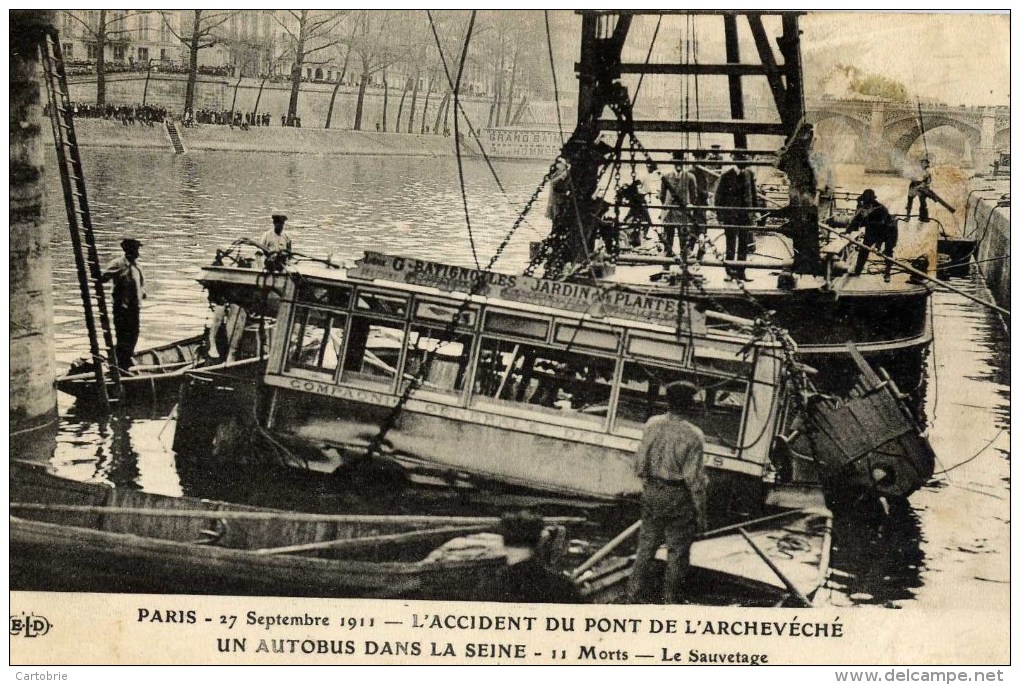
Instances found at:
x=102 y=27
x=273 y=61
x=449 y=28
x=353 y=27
x=313 y=33
x=204 y=32
x=375 y=48
x=508 y=48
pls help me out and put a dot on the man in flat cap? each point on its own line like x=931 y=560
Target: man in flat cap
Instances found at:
x=670 y=462
x=275 y=240
x=128 y=293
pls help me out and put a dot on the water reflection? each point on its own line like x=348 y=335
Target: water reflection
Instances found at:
x=877 y=558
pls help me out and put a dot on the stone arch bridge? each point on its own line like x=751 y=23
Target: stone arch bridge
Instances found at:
x=888 y=129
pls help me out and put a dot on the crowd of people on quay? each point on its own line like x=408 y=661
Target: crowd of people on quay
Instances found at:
x=87 y=67
x=126 y=114
x=242 y=120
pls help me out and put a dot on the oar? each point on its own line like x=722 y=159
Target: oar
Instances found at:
x=775 y=569
x=606 y=549
x=615 y=542
x=348 y=544
x=752 y=522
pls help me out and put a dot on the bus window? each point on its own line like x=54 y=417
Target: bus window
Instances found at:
x=517 y=326
x=444 y=313
x=728 y=360
x=450 y=353
x=718 y=410
x=373 y=353
x=572 y=387
x=315 y=342
x=324 y=295
x=389 y=305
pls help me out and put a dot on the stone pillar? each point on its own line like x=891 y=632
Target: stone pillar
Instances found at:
x=33 y=405
x=879 y=159
x=984 y=156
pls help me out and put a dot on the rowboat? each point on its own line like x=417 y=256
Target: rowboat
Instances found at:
x=76 y=536
x=157 y=373
x=780 y=558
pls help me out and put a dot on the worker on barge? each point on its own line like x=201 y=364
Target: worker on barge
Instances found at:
x=128 y=293
x=276 y=243
x=919 y=187
x=880 y=230
x=671 y=464
x=678 y=192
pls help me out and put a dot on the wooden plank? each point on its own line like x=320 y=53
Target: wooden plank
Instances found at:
x=269 y=515
x=870 y=377
x=348 y=545
x=772 y=69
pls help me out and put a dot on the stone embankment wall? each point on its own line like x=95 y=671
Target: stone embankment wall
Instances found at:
x=988 y=221
x=217 y=93
x=104 y=133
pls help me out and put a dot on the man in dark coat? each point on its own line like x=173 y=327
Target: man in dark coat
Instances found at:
x=128 y=292
x=736 y=190
x=679 y=191
x=880 y=230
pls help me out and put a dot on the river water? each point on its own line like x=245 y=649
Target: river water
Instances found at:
x=949 y=549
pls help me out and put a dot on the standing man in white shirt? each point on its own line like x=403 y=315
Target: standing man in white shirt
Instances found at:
x=276 y=243
x=670 y=461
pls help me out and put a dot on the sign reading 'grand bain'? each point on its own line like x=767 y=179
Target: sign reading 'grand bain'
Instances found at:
x=596 y=300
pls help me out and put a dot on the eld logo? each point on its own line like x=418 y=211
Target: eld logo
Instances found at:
x=29 y=625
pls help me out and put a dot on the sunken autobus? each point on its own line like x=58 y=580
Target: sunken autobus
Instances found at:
x=516 y=380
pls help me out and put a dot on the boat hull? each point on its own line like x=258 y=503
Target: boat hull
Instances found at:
x=157 y=373
x=88 y=537
x=52 y=557
x=891 y=330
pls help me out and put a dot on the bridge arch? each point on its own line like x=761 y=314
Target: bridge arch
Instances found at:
x=903 y=133
x=1002 y=141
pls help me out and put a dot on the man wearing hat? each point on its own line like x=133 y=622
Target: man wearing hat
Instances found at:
x=880 y=230
x=671 y=464
x=128 y=292
x=276 y=239
x=679 y=191
x=918 y=187
x=735 y=195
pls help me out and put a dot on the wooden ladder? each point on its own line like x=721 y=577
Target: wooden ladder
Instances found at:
x=175 y=137
x=79 y=219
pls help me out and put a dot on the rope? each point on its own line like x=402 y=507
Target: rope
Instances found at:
x=488 y=161
x=641 y=78
x=973 y=457
x=924 y=138
x=456 y=136
x=460 y=107
x=552 y=67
